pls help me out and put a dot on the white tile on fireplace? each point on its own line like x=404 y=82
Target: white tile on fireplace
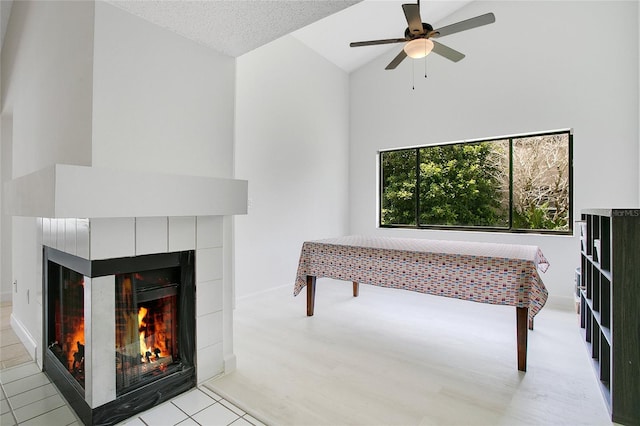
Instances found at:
x=208 y=264
x=40 y=231
x=53 y=232
x=46 y=232
x=210 y=362
x=209 y=298
x=151 y=235
x=112 y=237
x=57 y=228
x=100 y=385
x=209 y=231
x=193 y=401
x=61 y=238
x=82 y=238
x=70 y=236
x=209 y=330
x=163 y=414
x=182 y=233
x=216 y=415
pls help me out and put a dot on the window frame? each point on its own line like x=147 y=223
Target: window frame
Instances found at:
x=509 y=228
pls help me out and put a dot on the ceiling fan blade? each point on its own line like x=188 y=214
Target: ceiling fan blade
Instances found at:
x=374 y=42
x=478 y=21
x=447 y=52
x=412 y=13
x=396 y=61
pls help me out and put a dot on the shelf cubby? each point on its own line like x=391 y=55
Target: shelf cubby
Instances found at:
x=610 y=305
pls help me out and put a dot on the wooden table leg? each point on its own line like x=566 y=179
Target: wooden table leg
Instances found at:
x=522 y=320
x=356 y=289
x=311 y=294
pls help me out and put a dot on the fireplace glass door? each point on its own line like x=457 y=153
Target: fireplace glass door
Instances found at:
x=146 y=326
x=66 y=320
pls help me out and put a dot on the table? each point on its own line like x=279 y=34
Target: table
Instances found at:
x=500 y=274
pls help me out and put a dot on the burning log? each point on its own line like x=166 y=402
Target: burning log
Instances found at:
x=78 y=359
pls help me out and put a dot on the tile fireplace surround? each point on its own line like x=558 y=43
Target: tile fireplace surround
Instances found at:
x=98 y=214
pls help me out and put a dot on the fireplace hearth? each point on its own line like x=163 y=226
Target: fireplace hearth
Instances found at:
x=151 y=315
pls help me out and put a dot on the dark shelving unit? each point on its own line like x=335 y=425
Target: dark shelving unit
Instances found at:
x=610 y=305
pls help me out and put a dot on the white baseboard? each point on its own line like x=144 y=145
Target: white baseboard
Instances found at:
x=230 y=363
x=25 y=337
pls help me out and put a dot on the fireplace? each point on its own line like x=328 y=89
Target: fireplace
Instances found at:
x=152 y=330
x=102 y=224
x=146 y=327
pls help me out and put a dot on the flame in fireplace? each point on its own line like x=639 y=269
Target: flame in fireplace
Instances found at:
x=75 y=346
x=152 y=335
x=73 y=318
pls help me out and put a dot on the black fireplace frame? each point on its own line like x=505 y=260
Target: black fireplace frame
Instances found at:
x=147 y=396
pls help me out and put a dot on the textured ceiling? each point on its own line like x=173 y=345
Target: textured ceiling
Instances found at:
x=232 y=27
x=235 y=27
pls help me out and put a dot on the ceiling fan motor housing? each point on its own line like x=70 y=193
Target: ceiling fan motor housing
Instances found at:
x=426 y=29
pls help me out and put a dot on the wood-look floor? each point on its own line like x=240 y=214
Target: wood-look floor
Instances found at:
x=392 y=357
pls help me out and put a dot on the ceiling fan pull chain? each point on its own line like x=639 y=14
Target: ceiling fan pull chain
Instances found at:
x=425 y=67
x=413 y=75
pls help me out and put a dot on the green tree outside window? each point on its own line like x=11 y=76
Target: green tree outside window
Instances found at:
x=518 y=183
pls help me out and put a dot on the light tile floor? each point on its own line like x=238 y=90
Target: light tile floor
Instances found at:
x=12 y=352
x=29 y=398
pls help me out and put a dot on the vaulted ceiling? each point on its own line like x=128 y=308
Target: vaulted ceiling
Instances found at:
x=235 y=27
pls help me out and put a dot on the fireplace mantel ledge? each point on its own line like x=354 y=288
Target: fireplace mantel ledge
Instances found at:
x=69 y=191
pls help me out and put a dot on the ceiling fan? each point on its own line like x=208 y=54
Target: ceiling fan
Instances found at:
x=418 y=35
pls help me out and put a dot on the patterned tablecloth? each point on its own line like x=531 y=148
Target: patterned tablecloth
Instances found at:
x=500 y=274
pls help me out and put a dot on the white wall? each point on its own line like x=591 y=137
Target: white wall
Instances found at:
x=160 y=102
x=151 y=101
x=46 y=113
x=292 y=145
x=6 y=137
x=47 y=79
x=539 y=67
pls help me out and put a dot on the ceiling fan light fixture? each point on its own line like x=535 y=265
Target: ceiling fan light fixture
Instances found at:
x=418 y=48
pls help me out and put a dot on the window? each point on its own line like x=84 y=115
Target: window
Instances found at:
x=519 y=184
